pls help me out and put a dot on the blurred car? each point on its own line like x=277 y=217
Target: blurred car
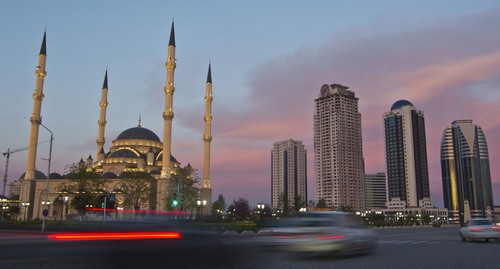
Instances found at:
x=480 y=229
x=321 y=233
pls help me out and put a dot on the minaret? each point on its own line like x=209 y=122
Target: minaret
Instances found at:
x=206 y=191
x=207 y=137
x=36 y=117
x=103 y=104
x=168 y=114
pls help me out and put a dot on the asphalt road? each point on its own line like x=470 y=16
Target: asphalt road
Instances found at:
x=419 y=247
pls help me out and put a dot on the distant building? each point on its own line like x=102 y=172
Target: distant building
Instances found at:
x=288 y=174
x=375 y=190
x=338 y=149
x=406 y=155
x=465 y=169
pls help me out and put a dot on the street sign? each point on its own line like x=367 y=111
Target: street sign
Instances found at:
x=45 y=212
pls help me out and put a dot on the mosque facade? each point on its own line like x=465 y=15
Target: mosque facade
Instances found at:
x=136 y=149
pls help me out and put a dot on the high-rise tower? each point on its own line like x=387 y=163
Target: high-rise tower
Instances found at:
x=375 y=191
x=168 y=114
x=338 y=150
x=465 y=169
x=406 y=155
x=103 y=104
x=36 y=117
x=288 y=174
x=206 y=191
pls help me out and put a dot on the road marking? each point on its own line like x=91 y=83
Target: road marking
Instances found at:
x=414 y=242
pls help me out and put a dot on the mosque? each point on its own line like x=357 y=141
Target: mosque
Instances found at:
x=135 y=149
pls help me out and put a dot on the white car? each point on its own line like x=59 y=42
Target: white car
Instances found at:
x=320 y=233
x=475 y=229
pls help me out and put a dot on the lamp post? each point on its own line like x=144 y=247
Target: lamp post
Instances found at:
x=260 y=208
x=45 y=205
x=201 y=204
x=64 y=199
x=25 y=206
x=48 y=174
x=4 y=207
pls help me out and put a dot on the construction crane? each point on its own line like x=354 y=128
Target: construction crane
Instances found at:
x=7 y=155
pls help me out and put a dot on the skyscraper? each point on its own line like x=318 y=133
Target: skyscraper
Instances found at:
x=289 y=174
x=406 y=155
x=338 y=150
x=465 y=169
x=375 y=190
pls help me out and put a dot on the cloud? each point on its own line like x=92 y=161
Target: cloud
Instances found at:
x=444 y=69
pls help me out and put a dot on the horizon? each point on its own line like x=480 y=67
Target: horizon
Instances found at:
x=267 y=66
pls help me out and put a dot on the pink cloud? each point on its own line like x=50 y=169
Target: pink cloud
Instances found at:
x=431 y=80
x=428 y=66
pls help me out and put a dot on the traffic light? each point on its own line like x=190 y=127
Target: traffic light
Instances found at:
x=102 y=205
x=175 y=202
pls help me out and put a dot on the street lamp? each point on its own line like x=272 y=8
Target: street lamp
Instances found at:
x=25 y=206
x=260 y=208
x=4 y=207
x=201 y=204
x=45 y=204
x=64 y=199
x=48 y=175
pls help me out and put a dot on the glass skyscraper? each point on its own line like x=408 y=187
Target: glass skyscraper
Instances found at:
x=406 y=155
x=465 y=170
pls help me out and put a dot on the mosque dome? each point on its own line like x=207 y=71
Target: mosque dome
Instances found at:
x=160 y=157
x=109 y=175
x=55 y=176
x=138 y=133
x=401 y=103
x=155 y=172
x=123 y=153
x=38 y=175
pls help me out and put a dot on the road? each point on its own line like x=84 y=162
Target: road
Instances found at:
x=417 y=247
x=408 y=248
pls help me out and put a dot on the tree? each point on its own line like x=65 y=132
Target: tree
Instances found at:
x=375 y=219
x=218 y=207
x=136 y=189
x=241 y=209
x=426 y=219
x=183 y=185
x=321 y=203
x=299 y=203
x=86 y=185
x=283 y=205
x=345 y=208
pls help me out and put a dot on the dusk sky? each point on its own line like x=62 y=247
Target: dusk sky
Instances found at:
x=269 y=60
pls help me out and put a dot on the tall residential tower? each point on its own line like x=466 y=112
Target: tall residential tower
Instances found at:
x=338 y=149
x=288 y=175
x=465 y=169
x=406 y=155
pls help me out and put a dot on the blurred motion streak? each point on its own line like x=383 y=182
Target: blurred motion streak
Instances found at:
x=153 y=212
x=330 y=237
x=114 y=236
